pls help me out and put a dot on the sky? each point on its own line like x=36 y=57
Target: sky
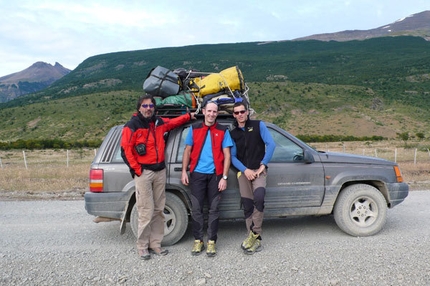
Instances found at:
x=68 y=32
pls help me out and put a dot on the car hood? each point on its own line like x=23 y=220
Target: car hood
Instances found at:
x=333 y=157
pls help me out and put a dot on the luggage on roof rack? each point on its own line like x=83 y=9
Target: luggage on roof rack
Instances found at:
x=193 y=89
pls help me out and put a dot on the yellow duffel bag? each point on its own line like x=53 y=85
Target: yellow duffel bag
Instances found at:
x=228 y=79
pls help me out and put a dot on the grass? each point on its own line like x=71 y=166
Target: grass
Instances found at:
x=49 y=174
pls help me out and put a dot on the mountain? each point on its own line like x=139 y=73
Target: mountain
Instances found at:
x=373 y=87
x=414 y=25
x=35 y=78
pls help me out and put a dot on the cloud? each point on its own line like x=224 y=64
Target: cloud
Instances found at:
x=68 y=32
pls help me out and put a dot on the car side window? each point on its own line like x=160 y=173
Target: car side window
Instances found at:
x=117 y=155
x=182 y=144
x=286 y=151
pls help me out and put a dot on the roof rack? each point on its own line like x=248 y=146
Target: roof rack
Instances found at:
x=173 y=111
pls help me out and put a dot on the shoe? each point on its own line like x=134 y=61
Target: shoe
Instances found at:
x=256 y=247
x=159 y=251
x=211 y=251
x=144 y=254
x=198 y=247
x=249 y=241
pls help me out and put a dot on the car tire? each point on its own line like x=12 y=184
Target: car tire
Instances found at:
x=360 y=210
x=175 y=220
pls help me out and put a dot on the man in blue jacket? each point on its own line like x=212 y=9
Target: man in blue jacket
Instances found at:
x=252 y=151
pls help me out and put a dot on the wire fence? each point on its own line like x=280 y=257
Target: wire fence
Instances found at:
x=37 y=158
x=395 y=154
x=45 y=158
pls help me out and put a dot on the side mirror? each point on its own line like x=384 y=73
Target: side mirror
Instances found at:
x=308 y=157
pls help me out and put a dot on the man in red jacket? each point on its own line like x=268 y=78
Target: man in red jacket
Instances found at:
x=207 y=152
x=142 y=146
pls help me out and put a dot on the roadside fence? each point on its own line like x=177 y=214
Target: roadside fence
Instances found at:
x=49 y=157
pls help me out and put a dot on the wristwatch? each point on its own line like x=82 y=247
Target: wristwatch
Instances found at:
x=225 y=177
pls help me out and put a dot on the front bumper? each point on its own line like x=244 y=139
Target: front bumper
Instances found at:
x=397 y=192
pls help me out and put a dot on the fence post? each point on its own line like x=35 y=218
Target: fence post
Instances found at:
x=395 y=155
x=1 y=164
x=415 y=156
x=25 y=160
x=67 y=155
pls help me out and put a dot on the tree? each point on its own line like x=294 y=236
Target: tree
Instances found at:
x=420 y=135
x=403 y=136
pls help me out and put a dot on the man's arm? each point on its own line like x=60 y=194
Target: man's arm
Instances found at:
x=235 y=161
x=178 y=121
x=185 y=163
x=268 y=140
x=127 y=143
x=227 y=160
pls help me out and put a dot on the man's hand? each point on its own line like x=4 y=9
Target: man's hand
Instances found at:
x=184 y=178
x=261 y=170
x=250 y=174
x=222 y=185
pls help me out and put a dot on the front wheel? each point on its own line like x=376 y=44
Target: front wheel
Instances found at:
x=175 y=220
x=360 y=210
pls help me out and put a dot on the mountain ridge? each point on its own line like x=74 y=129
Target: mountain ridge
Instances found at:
x=417 y=24
x=32 y=79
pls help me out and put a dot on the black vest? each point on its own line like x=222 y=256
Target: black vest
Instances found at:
x=250 y=146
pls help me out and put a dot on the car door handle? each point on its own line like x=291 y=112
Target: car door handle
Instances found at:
x=179 y=169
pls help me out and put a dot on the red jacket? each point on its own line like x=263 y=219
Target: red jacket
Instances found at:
x=200 y=131
x=150 y=132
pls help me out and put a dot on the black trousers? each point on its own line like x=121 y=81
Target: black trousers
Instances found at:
x=204 y=187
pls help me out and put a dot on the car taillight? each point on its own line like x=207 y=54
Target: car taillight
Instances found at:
x=399 y=177
x=96 y=180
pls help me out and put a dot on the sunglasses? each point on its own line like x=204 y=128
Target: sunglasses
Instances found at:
x=237 y=112
x=148 y=105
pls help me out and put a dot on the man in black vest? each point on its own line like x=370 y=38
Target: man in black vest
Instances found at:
x=252 y=151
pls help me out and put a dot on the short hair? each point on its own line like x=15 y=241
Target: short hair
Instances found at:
x=142 y=98
x=241 y=103
x=211 y=101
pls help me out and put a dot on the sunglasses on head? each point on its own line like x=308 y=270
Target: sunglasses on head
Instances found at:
x=148 y=105
x=237 y=112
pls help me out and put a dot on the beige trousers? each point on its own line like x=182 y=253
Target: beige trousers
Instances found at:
x=252 y=194
x=150 y=200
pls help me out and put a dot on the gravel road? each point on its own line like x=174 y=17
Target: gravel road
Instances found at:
x=56 y=243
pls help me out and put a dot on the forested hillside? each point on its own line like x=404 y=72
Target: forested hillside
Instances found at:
x=379 y=86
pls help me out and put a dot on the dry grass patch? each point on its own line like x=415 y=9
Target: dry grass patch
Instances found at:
x=48 y=173
x=51 y=174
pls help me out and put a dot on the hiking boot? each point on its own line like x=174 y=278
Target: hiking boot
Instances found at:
x=256 y=247
x=144 y=254
x=211 y=251
x=159 y=251
x=198 y=247
x=249 y=241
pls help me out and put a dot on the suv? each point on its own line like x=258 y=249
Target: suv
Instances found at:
x=357 y=190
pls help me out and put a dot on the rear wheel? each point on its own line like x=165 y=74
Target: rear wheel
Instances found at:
x=175 y=219
x=360 y=210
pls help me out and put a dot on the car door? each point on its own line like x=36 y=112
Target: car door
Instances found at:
x=292 y=183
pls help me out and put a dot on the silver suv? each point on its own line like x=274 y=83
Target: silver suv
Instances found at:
x=357 y=190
